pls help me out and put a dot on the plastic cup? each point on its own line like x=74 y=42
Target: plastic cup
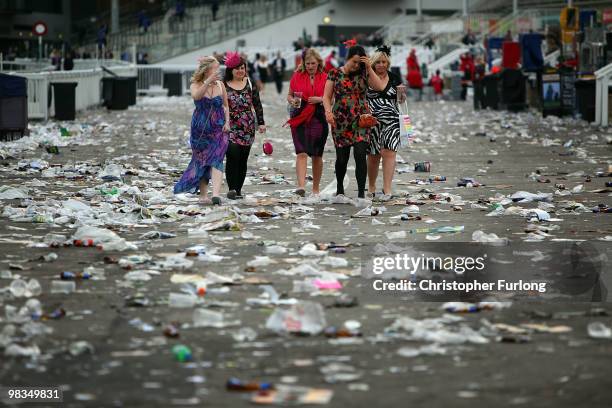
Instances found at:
x=181 y=300
x=63 y=286
x=297 y=99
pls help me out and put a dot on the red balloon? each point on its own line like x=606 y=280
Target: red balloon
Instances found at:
x=267 y=148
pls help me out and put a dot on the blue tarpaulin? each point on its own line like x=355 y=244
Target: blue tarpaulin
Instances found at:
x=531 y=50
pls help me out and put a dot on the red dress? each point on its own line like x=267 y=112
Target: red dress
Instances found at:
x=349 y=103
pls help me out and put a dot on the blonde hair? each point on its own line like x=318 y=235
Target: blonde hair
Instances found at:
x=379 y=55
x=204 y=65
x=310 y=52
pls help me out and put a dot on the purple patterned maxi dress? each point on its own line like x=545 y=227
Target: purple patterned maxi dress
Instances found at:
x=208 y=143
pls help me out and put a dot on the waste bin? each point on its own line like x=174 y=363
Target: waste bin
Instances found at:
x=585 y=98
x=173 y=82
x=13 y=107
x=64 y=94
x=514 y=93
x=117 y=92
x=107 y=90
x=490 y=84
x=132 y=86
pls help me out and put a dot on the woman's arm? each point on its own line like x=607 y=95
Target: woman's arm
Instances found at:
x=327 y=101
x=257 y=106
x=198 y=90
x=226 y=127
x=374 y=80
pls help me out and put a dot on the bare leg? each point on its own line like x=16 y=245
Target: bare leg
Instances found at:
x=388 y=159
x=301 y=161
x=204 y=191
x=217 y=179
x=373 y=164
x=317 y=171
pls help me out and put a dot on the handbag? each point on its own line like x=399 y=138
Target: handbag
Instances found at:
x=367 y=120
x=405 y=125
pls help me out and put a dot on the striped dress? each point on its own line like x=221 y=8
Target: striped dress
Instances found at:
x=383 y=104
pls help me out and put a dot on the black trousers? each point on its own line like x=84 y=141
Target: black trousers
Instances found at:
x=278 y=79
x=343 y=154
x=478 y=95
x=237 y=157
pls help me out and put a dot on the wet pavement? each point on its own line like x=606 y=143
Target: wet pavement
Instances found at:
x=245 y=262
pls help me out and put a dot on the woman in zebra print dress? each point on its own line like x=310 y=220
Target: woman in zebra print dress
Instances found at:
x=385 y=136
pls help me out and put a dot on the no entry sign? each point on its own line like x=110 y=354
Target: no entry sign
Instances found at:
x=39 y=28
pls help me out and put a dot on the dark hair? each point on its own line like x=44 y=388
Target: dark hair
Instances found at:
x=357 y=50
x=228 y=71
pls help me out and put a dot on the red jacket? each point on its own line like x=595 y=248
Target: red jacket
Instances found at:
x=415 y=80
x=412 y=61
x=437 y=84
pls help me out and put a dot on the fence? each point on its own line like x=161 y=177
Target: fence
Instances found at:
x=602 y=92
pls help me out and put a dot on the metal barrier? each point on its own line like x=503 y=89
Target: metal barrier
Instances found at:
x=602 y=92
x=151 y=77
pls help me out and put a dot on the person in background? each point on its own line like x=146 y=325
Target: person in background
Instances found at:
x=278 y=71
x=437 y=83
x=342 y=50
x=101 y=37
x=143 y=21
x=214 y=8
x=467 y=67
x=246 y=113
x=209 y=127
x=412 y=62
x=308 y=126
x=56 y=59
x=68 y=61
x=331 y=61
x=385 y=136
x=415 y=81
x=125 y=56
x=179 y=11
x=254 y=72
x=344 y=102
x=480 y=70
x=469 y=38
x=263 y=69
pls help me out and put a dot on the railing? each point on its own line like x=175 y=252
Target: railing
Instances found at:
x=151 y=77
x=447 y=59
x=33 y=66
x=167 y=37
x=602 y=92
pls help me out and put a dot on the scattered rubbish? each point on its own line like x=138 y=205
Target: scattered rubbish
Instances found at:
x=303 y=317
x=598 y=330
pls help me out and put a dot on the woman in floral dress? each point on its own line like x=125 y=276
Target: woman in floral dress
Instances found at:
x=243 y=99
x=344 y=101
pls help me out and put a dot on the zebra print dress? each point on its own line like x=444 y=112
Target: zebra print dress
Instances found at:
x=383 y=104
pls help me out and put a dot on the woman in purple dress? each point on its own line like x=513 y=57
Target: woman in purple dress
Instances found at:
x=209 y=138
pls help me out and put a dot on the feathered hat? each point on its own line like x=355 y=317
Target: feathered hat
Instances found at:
x=385 y=50
x=232 y=59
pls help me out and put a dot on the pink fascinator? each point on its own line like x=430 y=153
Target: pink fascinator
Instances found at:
x=232 y=59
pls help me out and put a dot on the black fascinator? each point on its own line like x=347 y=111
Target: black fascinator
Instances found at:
x=384 y=49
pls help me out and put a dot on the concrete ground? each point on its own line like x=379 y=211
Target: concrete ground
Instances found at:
x=130 y=363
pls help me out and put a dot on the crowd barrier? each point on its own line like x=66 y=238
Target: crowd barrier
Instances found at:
x=602 y=92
